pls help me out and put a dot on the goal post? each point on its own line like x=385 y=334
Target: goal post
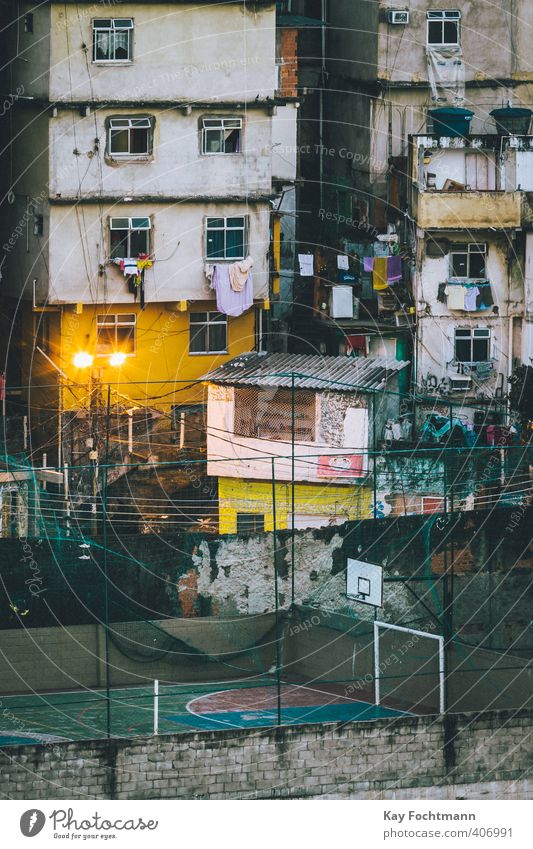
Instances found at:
x=417 y=635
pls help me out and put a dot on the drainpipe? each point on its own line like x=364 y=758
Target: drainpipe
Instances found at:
x=323 y=12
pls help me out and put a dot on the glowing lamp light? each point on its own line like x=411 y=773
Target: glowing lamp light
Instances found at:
x=83 y=360
x=117 y=359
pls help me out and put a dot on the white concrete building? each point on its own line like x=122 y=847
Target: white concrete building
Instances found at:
x=469 y=202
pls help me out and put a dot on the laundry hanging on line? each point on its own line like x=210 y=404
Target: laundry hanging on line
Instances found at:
x=468 y=297
x=230 y=302
x=239 y=272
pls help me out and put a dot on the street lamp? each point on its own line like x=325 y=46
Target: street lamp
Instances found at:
x=117 y=359
x=83 y=360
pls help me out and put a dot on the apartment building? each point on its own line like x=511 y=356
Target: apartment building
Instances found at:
x=458 y=195
x=143 y=159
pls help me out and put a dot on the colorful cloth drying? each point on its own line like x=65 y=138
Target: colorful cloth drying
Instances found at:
x=379 y=277
x=394 y=268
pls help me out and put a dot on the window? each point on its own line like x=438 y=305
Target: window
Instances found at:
x=468 y=261
x=268 y=414
x=208 y=333
x=115 y=333
x=250 y=523
x=221 y=135
x=225 y=238
x=112 y=39
x=443 y=28
x=472 y=345
x=28 y=22
x=129 y=237
x=130 y=137
x=38 y=225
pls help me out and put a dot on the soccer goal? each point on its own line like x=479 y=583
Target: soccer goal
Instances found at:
x=409 y=668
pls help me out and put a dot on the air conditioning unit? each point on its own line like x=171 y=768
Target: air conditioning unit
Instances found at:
x=460 y=384
x=395 y=16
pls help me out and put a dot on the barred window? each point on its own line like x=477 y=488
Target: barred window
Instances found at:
x=267 y=414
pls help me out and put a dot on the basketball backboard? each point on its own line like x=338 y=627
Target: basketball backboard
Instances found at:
x=364 y=582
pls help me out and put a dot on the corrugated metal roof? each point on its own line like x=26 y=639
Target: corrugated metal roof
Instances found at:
x=343 y=374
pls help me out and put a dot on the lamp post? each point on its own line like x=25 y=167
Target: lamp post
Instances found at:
x=84 y=360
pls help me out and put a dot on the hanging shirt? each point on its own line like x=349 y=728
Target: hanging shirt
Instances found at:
x=379 y=277
x=368 y=263
x=230 y=302
x=306 y=265
x=456 y=297
x=130 y=267
x=471 y=293
x=342 y=262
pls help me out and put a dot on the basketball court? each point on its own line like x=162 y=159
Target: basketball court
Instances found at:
x=74 y=715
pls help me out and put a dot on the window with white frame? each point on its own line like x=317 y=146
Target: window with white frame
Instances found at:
x=221 y=135
x=115 y=332
x=468 y=261
x=112 y=39
x=472 y=344
x=443 y=28
x=225 y=237
x=129 y=237
x=208 y=333
x=130 y=137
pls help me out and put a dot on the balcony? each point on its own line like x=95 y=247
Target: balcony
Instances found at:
x=454 y=210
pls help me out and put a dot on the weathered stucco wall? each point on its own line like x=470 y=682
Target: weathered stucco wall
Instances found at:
x=464 y=757
x=178 y=239
x=177 y=166
x=341 y=424
x=198 y=574
x=183 y=50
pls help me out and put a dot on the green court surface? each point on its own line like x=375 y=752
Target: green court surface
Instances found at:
x=77 y=715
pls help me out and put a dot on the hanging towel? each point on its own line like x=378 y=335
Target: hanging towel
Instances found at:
x=368 y=263
x=238 y=273
x=379 y=277
x=230 y=302
x=471 y=293
x=441 y=296
x=484 y=298
x=394 y=268
x=306 y=265
x=456 y=297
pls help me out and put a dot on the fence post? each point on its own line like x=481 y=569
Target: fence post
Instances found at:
x=292 y=494
x=276 y=599
x=156 y=706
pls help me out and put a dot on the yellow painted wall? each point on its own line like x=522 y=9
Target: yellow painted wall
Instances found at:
x=161 y=366
x=243 y=496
